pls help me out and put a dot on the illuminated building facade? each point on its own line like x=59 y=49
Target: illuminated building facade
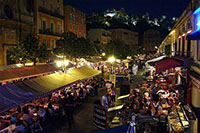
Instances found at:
x=183 y=44
x=74 y=21
x=50 y=21
x=99 y=36
x=127 y=36
x=151 y=40
x=16 y=20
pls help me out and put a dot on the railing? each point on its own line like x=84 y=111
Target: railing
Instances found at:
x=55 y=14
x=49 y=32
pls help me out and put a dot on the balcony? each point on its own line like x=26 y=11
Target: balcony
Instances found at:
x=49 y=32
x=55 y=14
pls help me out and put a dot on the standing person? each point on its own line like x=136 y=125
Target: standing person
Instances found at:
x=69 y=108
x=105 y=101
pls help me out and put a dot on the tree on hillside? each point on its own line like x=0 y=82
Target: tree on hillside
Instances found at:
x=29 y=49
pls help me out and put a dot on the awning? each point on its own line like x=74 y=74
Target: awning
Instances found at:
x=9 y=98
x=156 y=59
x=25 y=72
x=83 y=72
x=194 y=35
x=23 y=92
x=49 y=83
x=166 y=64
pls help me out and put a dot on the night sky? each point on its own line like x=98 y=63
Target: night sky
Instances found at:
x=155 y=8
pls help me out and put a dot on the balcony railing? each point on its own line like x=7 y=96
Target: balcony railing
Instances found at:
x=49 y=32
x=55 y=14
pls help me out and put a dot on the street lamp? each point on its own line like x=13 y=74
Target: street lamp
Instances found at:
x=62 y=64
x=111 y=59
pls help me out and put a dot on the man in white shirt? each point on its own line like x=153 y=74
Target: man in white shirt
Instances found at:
x=105 y=101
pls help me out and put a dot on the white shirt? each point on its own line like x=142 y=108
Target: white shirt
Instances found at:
x=105 y=101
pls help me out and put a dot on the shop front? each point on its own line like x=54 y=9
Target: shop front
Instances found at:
x=195 y=91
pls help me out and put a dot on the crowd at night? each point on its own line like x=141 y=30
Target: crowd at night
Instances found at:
x=99 y=66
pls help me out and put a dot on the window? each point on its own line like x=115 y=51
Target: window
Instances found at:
x=79 y=29
x=74 y=10
x=58 y=10
x=183 y=46
x=51 y=44
x=71 y=17
x=58 y=28
x=74 y=19
x=40 y=24
x=44 y=41
x=43 y=2
x=70 y=26
x=83 y=22
x=43 y=25
x=8 y=11
x=52 y=28
x=74 y=27
x=51 y=7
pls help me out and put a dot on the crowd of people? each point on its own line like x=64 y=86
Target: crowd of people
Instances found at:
x=153 y=100
x=32 y=116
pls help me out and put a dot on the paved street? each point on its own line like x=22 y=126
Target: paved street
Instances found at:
x=83 y=116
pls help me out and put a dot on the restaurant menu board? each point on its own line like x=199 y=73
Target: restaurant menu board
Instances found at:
x=100 y=117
